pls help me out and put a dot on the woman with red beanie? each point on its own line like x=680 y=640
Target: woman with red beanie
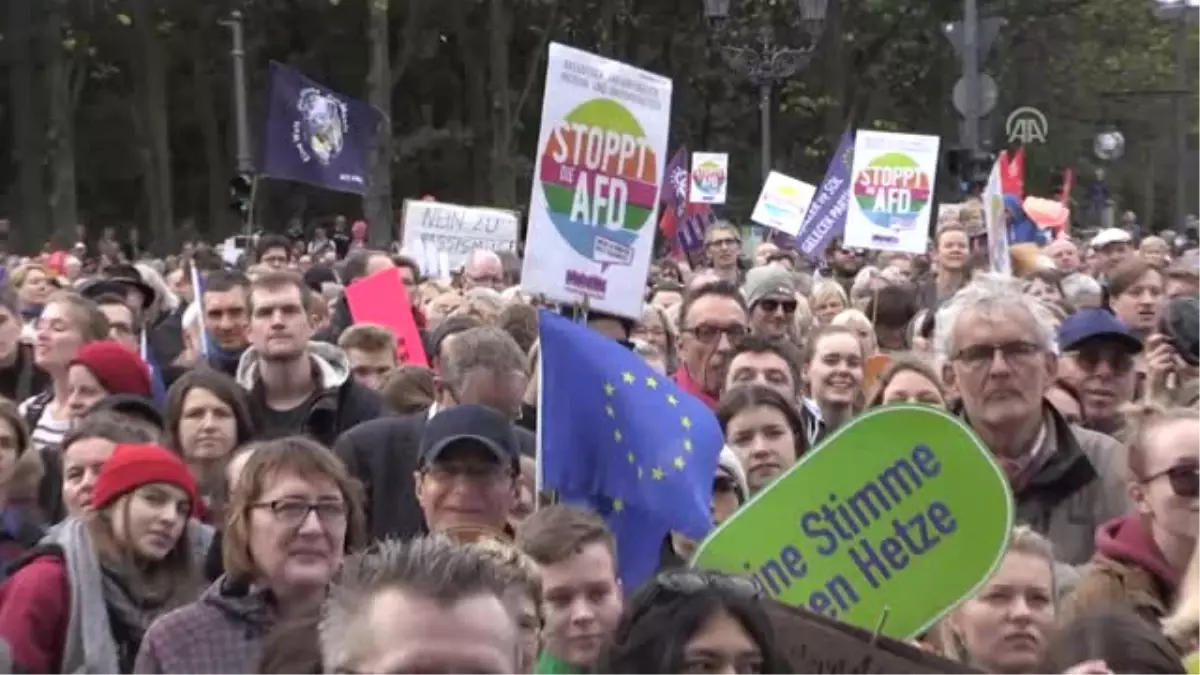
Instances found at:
x=82 y=600
x=102 y=369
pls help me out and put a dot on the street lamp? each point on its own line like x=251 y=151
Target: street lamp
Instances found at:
x=1181 y=12
x=766 y=63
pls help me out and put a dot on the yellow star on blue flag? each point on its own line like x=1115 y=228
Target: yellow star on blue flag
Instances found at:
x=613 y=437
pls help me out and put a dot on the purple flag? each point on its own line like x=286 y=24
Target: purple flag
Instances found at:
x=315 y=135
x=674 y=191
x=826 y=216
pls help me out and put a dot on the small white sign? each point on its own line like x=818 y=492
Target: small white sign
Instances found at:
x=709 y=178
x=783 y=202
x=438 y=227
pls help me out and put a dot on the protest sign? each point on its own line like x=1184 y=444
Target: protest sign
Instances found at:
x=783 y=202
x=599 y=169
x=709 y=177
x=813 y=643
x=873 y=367
x=893 y=181
x=997 y=224
x=382 y=299
x=457 y=230
x=825 y=217
x=902 y=512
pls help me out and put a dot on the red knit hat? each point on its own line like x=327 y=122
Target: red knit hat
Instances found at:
x=134 y=465
x=118 y=368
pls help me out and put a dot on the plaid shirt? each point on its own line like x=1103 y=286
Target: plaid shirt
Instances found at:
x=224 y=631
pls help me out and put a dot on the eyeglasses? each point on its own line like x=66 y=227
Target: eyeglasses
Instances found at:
x=1013 y=352
x=709 y=333
x=293 y=512
x=717 y=243
x=1184 y=479
x=1091 y=356
x=770 y=306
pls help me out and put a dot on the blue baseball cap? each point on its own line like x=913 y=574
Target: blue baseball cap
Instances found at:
x=473 y=424
x=1093 y=324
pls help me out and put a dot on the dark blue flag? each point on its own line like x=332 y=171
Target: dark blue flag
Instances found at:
x=826 y=216
x=621 y=439
x=315 y=135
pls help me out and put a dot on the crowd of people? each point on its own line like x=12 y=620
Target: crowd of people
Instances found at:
x=209 y=467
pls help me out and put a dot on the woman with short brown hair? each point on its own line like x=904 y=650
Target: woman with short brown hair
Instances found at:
x=293 y=514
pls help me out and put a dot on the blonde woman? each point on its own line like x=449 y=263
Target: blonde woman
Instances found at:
x=1005 y=626
x=828 y=299
x=858 y=322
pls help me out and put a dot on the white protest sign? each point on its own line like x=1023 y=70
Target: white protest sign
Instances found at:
x=457 y=230
x=783 y=202
x=594 y=203
x=709 y=178
x=892 y=185
x=997 y=225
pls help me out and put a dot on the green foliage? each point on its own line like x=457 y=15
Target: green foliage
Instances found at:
x=467 y=92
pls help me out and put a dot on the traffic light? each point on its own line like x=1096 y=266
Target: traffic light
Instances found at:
x=970 y=170
x=240 y=189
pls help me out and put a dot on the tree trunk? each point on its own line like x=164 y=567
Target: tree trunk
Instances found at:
x=60 y=117
x=504 y=180
x=28 y=132
x=153 y=82
x=476 y=98
x=218 y=221
x=377 y=203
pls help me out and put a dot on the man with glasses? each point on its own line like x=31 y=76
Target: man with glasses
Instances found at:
x=771 y=296
x=477 y=366
x=466 y=477
x=712 y=319
x=998 y=348
x=483 y=268
x=1098 y=350
x=723 y=243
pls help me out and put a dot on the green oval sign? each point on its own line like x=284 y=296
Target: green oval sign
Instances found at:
x=902 y=513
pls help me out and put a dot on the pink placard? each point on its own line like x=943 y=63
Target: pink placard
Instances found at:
x=382 y=299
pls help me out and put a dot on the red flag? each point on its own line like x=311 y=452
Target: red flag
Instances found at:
x=1068 y=182
x=1012 y=173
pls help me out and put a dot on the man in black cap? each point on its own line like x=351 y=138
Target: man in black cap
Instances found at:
x=467 y=470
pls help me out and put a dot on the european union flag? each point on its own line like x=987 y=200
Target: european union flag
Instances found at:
x=315 y=135
x=620 y=438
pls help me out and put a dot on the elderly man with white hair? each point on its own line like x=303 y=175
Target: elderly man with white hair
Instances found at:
x=483 y=268
x=998 y=350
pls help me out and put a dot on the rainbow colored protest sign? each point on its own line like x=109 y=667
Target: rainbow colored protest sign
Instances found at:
x=594 y=201
x=709 y=178
x=892 y=189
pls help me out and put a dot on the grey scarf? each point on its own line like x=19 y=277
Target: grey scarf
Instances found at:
x=88 y=646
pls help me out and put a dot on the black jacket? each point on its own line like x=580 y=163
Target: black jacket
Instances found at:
x=383 y=455
x=342 y=404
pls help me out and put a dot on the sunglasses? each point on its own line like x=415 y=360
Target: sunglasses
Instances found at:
x=688 y=583
x=1184 y=479
x=1091 y=356
x=771 y=306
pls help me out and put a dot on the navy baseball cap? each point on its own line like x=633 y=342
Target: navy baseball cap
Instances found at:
x=1091 y=324
x=474 y=424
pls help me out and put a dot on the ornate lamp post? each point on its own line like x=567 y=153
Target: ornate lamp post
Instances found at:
x=765 y=62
